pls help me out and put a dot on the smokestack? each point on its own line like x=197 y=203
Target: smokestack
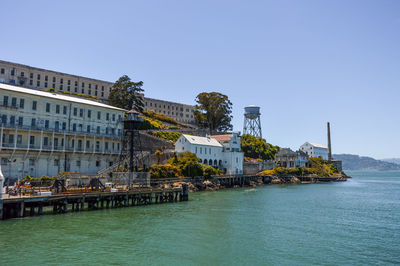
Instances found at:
x=329 y=144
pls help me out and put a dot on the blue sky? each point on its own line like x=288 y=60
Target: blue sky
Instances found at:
x=303 y=62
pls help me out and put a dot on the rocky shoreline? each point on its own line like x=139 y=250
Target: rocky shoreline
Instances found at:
x=214 y=184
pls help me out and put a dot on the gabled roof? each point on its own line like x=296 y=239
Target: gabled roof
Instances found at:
x=316 y=145
x=222 y=138
x=206 y=141
x=56 y=96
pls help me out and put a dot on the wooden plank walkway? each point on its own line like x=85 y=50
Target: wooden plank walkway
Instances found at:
x=18 y=207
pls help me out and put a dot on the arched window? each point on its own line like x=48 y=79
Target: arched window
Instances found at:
x=215 y=162
x=210 y=162
x=205 y=161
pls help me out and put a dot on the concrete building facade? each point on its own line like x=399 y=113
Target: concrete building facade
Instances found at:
x=222 y=155
x=45 y=133
x=291 y=159
x=315 y=150
x=38 y=78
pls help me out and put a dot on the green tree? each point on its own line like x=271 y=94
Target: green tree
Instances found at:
x=256 y=147
x=213 y=111
x=126 y=94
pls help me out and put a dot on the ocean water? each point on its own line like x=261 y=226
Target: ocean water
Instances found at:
x=350 y=223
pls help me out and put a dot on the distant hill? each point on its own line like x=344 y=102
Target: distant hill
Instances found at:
x=356 y=162
x=392 y=160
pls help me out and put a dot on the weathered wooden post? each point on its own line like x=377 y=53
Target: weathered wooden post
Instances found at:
x=185 y=192
x=1 y=193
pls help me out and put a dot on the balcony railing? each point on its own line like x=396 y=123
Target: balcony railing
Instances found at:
x=58 y=148
x=60 y=131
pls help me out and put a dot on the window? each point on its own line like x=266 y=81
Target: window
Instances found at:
x=75 y=111
x=83 y=84
x=45 y=141
x=14 y=102
x=79 y=144
x=107 y=116
x=55 y=142
x=61 y=87
x=65 y=110
x=73 y=143
x=19 y=139
x=54 y=79
x=46 y=78
x=97 y=163
x=201 y=150
x=78 y=163
x=54 y=85
x=99 y=115
x=64 y=125
x=57 y=109
x=97 y=145
x=34 y=105
x=88 y=129
x=30 y=82
x=74 y=127
x=83 y=91
x=90 y=92
x=106 y=130
x=61 y=81
x=31 y=75
x=87 y=144
x=113 y=117
x=106 y=145
x=56 y=162
x=98 y=130
x=69 y=82
x=12 y=72
x=89 y=113
x=102 y=94
x=31 y=162
x=46 y=123
x=47 y=108
x=33 y=123
x=76 y=83
x=32 y=140
x=38 y=76
x=90 y=86
x=2 y=71
x=81 y=112
x=20 y=120
x=38 y=84
x=12 y=120
x=45 y=85
x=5 y=100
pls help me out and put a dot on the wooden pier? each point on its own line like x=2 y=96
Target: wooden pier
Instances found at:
x=18 y=207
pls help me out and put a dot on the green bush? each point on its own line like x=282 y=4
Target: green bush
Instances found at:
x=168 y=135
x=209 y=171
x=255 y=147
x=164 y=171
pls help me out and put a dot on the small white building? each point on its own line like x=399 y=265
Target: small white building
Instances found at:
x=222 y=151
x=315 y=150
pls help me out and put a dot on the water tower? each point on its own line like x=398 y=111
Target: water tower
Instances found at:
x=252 y=122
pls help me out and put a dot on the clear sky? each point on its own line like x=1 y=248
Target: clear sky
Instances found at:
x=303 y=62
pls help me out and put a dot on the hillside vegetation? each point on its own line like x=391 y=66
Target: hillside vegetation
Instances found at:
x=317 y=167
x=356 y=162
x=255 y=147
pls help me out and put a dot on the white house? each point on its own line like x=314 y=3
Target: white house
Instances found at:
x=44 y=133
x=222 y=151
x=315 y=150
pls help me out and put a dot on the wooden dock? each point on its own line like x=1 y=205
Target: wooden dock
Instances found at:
x=19 y=207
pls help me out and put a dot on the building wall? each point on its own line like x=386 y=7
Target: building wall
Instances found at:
x=183 y=113
x=314 y=151
x=37 y=78
x=42 y=136
x=231 y=162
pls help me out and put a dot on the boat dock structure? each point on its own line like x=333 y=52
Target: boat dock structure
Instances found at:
x=19 y=207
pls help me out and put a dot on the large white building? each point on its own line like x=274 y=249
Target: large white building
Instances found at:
x=222 y=151
x=38 y=78
x=315 y=150
x=44 y=133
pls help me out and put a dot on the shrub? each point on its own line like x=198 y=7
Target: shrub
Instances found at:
x=255 y=147
x=164 y=171
x=168 y=135
x=209 y=171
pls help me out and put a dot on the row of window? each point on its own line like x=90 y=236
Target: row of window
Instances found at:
x=21 y=104
x=168 y=107
x=60 y=142
x=58 y=126
x=54 y=79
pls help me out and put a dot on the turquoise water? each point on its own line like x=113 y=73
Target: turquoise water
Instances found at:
x=355 y=222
